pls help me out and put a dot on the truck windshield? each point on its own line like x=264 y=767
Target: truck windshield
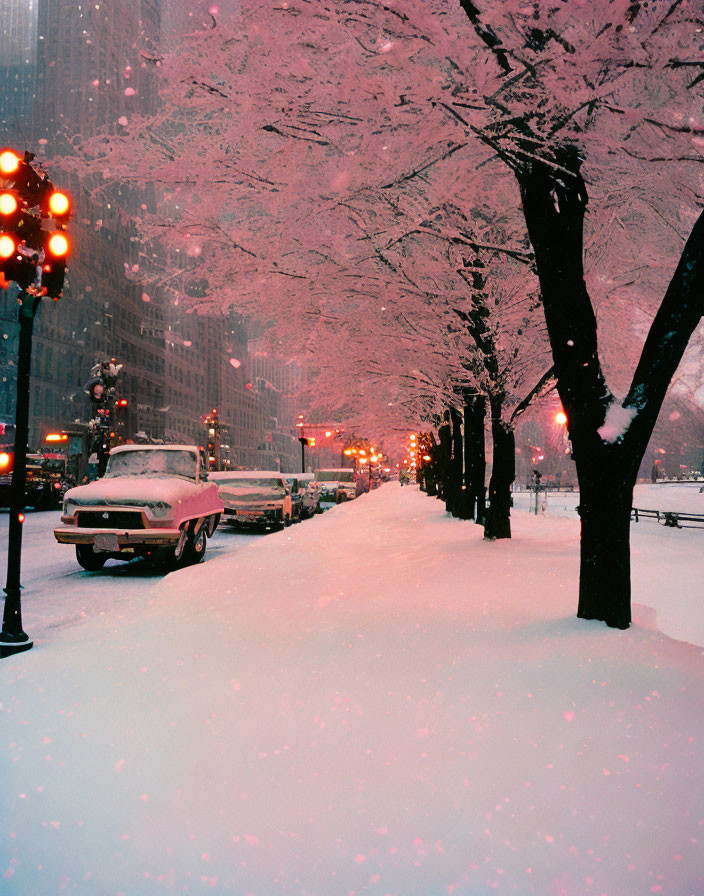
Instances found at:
x=154 y=462
x=250 y=485
x=334 y=475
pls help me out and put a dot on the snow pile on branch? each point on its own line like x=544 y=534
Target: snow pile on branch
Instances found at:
x=616 y=423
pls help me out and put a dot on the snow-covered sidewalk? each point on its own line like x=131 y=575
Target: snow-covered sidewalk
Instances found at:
x=376 y=701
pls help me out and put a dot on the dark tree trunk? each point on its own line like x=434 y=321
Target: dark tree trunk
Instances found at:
x=475 y=456
x=444 y=462
x=554 y=212
x=554 y=199
x=457 y=478
x=503 y=473
x=605 y=503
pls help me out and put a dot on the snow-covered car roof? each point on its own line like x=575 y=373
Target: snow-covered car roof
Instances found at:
x=119 y=448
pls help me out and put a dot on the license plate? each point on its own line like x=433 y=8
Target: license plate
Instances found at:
x=106 y=541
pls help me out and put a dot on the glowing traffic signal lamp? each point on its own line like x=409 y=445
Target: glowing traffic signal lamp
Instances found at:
x=9 y=162
x=59 y=204
x=311 y=442
x=58 y=245
x=122 y=403
x=8 y=246
x=8 y=203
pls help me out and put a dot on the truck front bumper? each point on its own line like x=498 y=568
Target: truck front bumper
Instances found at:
x=117 y=539
x=254 y=516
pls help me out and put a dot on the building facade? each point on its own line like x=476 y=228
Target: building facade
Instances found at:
x=84 y=66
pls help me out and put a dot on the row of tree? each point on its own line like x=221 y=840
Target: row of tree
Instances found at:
x=448 y=204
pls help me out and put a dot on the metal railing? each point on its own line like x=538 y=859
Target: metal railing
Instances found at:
x=670 y=518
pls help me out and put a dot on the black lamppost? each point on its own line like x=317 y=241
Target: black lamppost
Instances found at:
x=304 y=441
x=13 y=638
x=35 y=260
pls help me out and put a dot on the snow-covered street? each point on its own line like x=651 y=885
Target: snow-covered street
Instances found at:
x=375 y=701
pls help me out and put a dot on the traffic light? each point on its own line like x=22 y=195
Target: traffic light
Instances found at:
x=95 y=389
x=36 y=258
x=212 y=425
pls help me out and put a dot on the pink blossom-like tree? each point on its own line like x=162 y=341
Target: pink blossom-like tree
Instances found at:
x=278 y=125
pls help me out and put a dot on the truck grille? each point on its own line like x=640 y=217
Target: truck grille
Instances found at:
x=110 y=519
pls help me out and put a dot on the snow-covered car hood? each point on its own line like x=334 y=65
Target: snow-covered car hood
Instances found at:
x=136 y=490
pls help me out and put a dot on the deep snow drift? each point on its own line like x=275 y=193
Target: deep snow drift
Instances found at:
x=376 y=701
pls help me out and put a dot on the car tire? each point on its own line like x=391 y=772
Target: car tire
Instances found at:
x=88 y=559
x=194 y=549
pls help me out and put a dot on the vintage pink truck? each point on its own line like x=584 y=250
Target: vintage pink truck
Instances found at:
x=154 y=500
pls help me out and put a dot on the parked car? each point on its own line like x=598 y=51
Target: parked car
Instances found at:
x=310 y=495
x=154 y=500
x=259 y=498
x=297 y=488
x=46 y=480
x=336 y=484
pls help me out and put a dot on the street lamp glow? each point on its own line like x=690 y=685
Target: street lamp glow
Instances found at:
x=561 y=418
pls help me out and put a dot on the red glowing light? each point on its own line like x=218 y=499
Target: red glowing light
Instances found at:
x=59 y=204
x=9 y=162
x=8 y=204
x=58 y=245
x=7 y=246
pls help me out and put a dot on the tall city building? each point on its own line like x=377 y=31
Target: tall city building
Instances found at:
x=18 y=48
x=87 y=66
